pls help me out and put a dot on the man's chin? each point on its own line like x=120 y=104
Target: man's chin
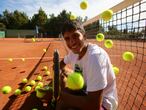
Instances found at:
x=75 y=52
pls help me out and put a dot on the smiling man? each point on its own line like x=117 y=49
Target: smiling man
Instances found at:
x=94 y=64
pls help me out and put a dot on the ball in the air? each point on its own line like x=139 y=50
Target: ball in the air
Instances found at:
x=45 y=50
x=108 y=43
x=27 y=88
x=73 y=17
x=107 y=15
x=6 y=89
x=128 y=56
x=17 y=92
x=39 y=78
x=75 y=81
x=100 y=37
x=116 y=70
x=24 y=80
x=84 y=5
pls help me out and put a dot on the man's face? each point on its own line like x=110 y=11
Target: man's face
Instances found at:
x=74 y=40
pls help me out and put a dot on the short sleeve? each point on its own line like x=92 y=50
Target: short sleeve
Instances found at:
x=97 y=76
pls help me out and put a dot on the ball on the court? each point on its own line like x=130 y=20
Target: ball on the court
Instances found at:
x=128 y=56
x=45 y=68
x=116 y=70
x=6 y=89
x=37 y=87
x=23 y=59
x=100 y=37
x=107 y=15
x=24 y=80
x=17 y=92
x=73 y=17
x=108 y=43
x=32 y=82
x=75 y=81
x=39 y=78
x=84 y=5
x=33 y=40
x=47 y=73
x=27 y=88
x=44 y=50
x=40 y=84
x=10 y=59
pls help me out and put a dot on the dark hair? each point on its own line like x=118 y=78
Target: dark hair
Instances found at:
x=70 y=25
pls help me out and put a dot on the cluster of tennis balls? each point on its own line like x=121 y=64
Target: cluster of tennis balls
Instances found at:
x=8 y=89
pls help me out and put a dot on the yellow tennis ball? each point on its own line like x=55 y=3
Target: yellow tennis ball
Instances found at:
x=44 y=50
x=23 y=59
x=116 y=70
x=37 y=87
x=10 y=59
x=84 y=5
x=73 y=17
x=33 y=40
x=45 y=68
x=32 y=82
x=27 y=88
x=47 y=73
x=24 y=80
x=100 y=37
x=34 y=109
x=6 y=89
x=39 y=78
x=128 y=56
x=17 y=92
x=108 y=43
x=107 y=15
x=75 y=81
x=40 y=84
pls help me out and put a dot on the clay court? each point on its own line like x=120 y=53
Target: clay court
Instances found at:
x=131 y=81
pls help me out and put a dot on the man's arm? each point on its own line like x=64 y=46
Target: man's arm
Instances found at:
x=90 y=102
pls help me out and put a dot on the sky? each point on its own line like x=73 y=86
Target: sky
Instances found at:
x=31 y=7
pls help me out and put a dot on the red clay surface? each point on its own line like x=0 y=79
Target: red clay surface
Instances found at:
x=131 y=81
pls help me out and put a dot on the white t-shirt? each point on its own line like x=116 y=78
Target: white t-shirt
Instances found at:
x=97 y=72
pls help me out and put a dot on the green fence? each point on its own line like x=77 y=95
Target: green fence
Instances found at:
x=2 y=34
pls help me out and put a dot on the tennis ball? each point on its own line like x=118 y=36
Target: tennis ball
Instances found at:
x=84 y=4
x=33 y=39
x=116 y=70
x=6 y=89
x=10 y=59
x=107 y=15
x=44 y=50
x=47 y=73
x=34 y=109
x=75 y=81
x=100 y=37
x=128 y=56
x=39 y=78
x=32 y=82
x=17 y=92
x=73 y=17
x=108 y=43
x=40 y=84
x=24 y=80
x=27 y=88
x=37 y=87
x=23 y=59
x=45 y=68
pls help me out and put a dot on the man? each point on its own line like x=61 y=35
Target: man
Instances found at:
x=95 y=66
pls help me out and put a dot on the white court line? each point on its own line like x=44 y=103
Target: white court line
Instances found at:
x=27 y=58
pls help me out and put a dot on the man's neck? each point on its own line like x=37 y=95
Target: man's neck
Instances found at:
x=83 y=51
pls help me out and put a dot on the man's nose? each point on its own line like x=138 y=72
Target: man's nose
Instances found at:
x=72 y=41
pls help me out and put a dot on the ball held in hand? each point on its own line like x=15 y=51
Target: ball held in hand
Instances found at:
x=75 y=81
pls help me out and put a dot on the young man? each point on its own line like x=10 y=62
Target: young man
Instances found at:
x=95 y=65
